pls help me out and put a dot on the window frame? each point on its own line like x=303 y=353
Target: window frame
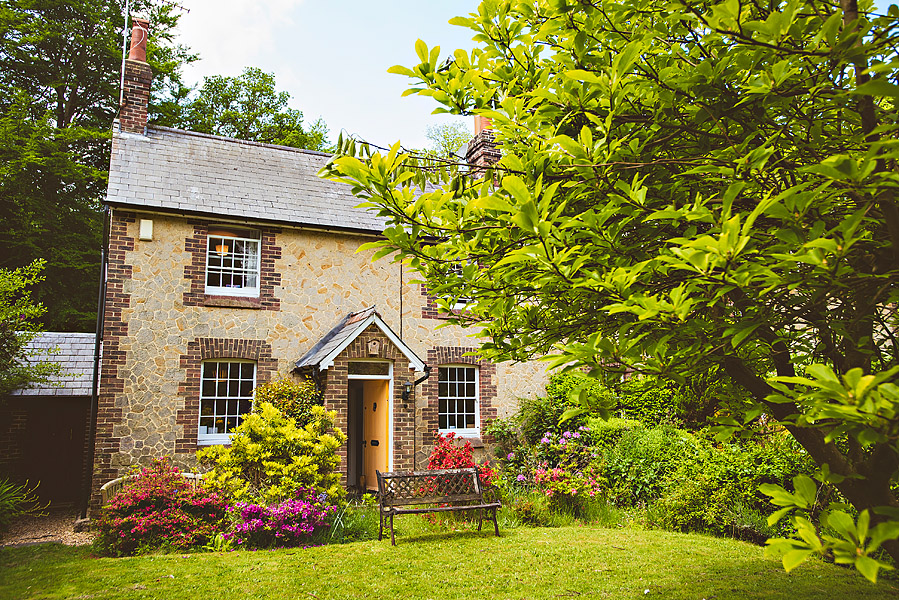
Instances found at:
x=455 y=270
x=461 y=431
x=233 y=237
x=211 y=439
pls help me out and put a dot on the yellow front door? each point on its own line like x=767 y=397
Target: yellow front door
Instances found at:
x=375 y=430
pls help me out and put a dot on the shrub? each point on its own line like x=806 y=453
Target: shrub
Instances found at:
x=638 y=465
x=649 y=400
x=158 y=509
x=567 y=490
x=286 y=524
x=448 y=454
x=271 y=458
x=17 y=500
x=605 y=434
x=294 y=399
x=539 y=415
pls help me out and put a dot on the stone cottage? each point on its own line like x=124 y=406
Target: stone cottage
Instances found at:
x=231 y=263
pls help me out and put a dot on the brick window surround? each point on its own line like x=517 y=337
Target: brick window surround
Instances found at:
x=455 y=355
x=202 y=349
x=430 y=310
x=195 y=272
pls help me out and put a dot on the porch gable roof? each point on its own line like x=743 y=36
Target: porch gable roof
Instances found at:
x=334 y=342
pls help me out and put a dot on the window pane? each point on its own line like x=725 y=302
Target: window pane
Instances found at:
x=457 y=398
x=233 y=263
x=226 y=393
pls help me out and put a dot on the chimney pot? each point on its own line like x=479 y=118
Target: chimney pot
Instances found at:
x=482 y=123
x=140 y=30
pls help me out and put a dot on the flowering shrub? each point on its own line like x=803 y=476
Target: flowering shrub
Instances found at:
x=271 y=458
x=448 y=454
x=159 y=508
x=288 y=523
x=567 y=490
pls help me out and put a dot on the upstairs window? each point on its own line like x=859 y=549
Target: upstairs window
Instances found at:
x=232 y=263
x=457 y=391
x=226 y=397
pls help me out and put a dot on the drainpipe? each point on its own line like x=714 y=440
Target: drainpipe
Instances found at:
x=415 y=415
x=98 y=345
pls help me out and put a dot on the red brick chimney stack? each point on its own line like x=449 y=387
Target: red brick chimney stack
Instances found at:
x=482 y=150
x=137 y=77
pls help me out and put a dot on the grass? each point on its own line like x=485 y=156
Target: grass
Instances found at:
x=566 y=562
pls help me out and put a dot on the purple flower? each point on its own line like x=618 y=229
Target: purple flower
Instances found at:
x=566 y=435
x=510 y=456
x=521 y=477
x=577 y=434
x=545 y=440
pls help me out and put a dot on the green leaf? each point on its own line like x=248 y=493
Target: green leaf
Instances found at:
x=794 y=558
x=517 y=188
x=401 y=70
x=421 y=49
x=868 y=567
x=878 y=86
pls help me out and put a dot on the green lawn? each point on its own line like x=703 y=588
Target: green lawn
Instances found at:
x=568 y=562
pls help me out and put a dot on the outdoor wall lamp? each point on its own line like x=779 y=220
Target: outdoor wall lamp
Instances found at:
x=407 y=391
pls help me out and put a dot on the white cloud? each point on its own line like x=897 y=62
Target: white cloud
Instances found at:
x=232 y=34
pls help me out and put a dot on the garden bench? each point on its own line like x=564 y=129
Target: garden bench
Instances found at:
x=438 y=490
x=111 y=488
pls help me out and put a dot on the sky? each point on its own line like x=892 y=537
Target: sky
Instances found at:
x=332 y=56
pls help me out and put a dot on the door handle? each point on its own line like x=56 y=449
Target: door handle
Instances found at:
x=375 y=443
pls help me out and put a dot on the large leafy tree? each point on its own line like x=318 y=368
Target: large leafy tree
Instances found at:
x=60 y=63
x=247 y=107
x=685 y=188
x=19 y=365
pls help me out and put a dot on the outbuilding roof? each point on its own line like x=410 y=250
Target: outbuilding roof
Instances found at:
x=172 y=170
x=76 y=356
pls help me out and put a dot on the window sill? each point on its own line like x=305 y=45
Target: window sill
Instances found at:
x=215 y=440
x=472 y=437
x=232 y=301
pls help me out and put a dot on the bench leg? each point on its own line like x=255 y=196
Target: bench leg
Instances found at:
x=495 y=524
x=480 y=517
x=380 y=524
x=392 y=538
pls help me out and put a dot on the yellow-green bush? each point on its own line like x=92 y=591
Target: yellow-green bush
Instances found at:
x=293 y=398
x=270 y=457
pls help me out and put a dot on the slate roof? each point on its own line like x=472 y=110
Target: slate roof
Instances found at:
x=76 y=355
x=195 y=173
x=323 y=353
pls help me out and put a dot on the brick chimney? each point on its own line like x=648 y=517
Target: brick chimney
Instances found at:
x=482 y=150
x=137 y=78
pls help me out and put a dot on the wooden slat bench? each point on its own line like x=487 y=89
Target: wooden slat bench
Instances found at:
x=438 y=490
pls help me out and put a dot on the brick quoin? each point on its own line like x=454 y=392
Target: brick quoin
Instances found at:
x=115 y=330
x=195 y=272
x=201 y=349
